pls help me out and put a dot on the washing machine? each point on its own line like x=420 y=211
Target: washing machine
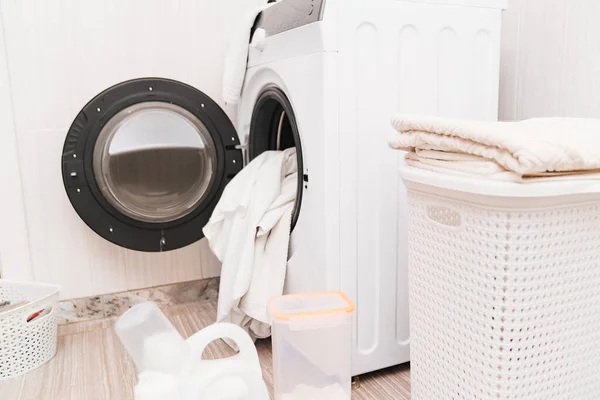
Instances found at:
x=146 y=160
x=325 y=76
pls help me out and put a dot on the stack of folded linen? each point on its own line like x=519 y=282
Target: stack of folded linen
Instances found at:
x=526 y=151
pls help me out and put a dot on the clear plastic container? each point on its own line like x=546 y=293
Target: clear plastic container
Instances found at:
x=312 y=346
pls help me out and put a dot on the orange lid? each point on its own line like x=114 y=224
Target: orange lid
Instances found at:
x=284 y=308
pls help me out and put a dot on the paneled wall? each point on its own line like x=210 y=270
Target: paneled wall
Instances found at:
x=14 y=242
x=550 y=66
x=54 y=57
x=550 y=59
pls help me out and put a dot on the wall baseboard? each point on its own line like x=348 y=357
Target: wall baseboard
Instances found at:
x=114 y=305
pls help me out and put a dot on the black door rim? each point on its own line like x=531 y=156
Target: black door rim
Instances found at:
x=264 y=125
x=85 y=194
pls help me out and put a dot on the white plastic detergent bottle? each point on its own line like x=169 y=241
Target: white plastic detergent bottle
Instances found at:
x=234 y=378
x=172 y=368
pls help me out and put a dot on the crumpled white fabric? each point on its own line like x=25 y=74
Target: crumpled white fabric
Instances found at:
x=529 y=150
x=249 y=232
x=236 y=60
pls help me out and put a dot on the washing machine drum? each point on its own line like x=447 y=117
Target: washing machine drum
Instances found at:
x=146 y=161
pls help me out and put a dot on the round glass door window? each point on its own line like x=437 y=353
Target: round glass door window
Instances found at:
x=147 y=172
x=154 y=161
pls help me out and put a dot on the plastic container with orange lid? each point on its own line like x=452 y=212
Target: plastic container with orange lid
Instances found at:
x=312 y=346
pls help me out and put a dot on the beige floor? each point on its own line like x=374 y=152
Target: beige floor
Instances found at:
x=91 y=364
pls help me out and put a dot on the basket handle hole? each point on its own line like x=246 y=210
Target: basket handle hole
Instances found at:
x=444 y=216
x=38 y=315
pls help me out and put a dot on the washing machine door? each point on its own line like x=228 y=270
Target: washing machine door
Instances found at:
x=146 y=161
x=273 y=126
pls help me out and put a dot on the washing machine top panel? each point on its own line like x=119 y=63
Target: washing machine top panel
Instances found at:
x=286 y=15
x=501 y=4
x=289 y=30
x=145 y=162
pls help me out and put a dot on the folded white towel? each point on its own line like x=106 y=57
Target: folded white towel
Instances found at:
x=236 y=59
x=534 y=149
x=249 y=232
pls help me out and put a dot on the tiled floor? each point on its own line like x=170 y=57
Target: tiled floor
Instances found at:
x=91 y=364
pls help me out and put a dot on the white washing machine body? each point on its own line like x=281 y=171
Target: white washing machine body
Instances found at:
x=346 y=67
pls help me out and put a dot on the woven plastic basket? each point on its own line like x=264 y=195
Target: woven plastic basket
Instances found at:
x=504 y=288
x=25 y=346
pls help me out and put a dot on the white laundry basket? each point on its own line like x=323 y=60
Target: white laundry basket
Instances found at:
x=25 y=346
x=504 y=288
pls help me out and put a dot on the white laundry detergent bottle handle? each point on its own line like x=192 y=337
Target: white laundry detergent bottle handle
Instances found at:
x=237 y=378
x=200 y=340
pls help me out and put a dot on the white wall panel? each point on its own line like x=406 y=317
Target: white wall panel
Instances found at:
x=56 y=56
x=550 y=59
x=14 y=242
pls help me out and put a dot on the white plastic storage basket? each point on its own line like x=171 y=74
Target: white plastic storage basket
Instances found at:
x=504 y=288
x=25 y=346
